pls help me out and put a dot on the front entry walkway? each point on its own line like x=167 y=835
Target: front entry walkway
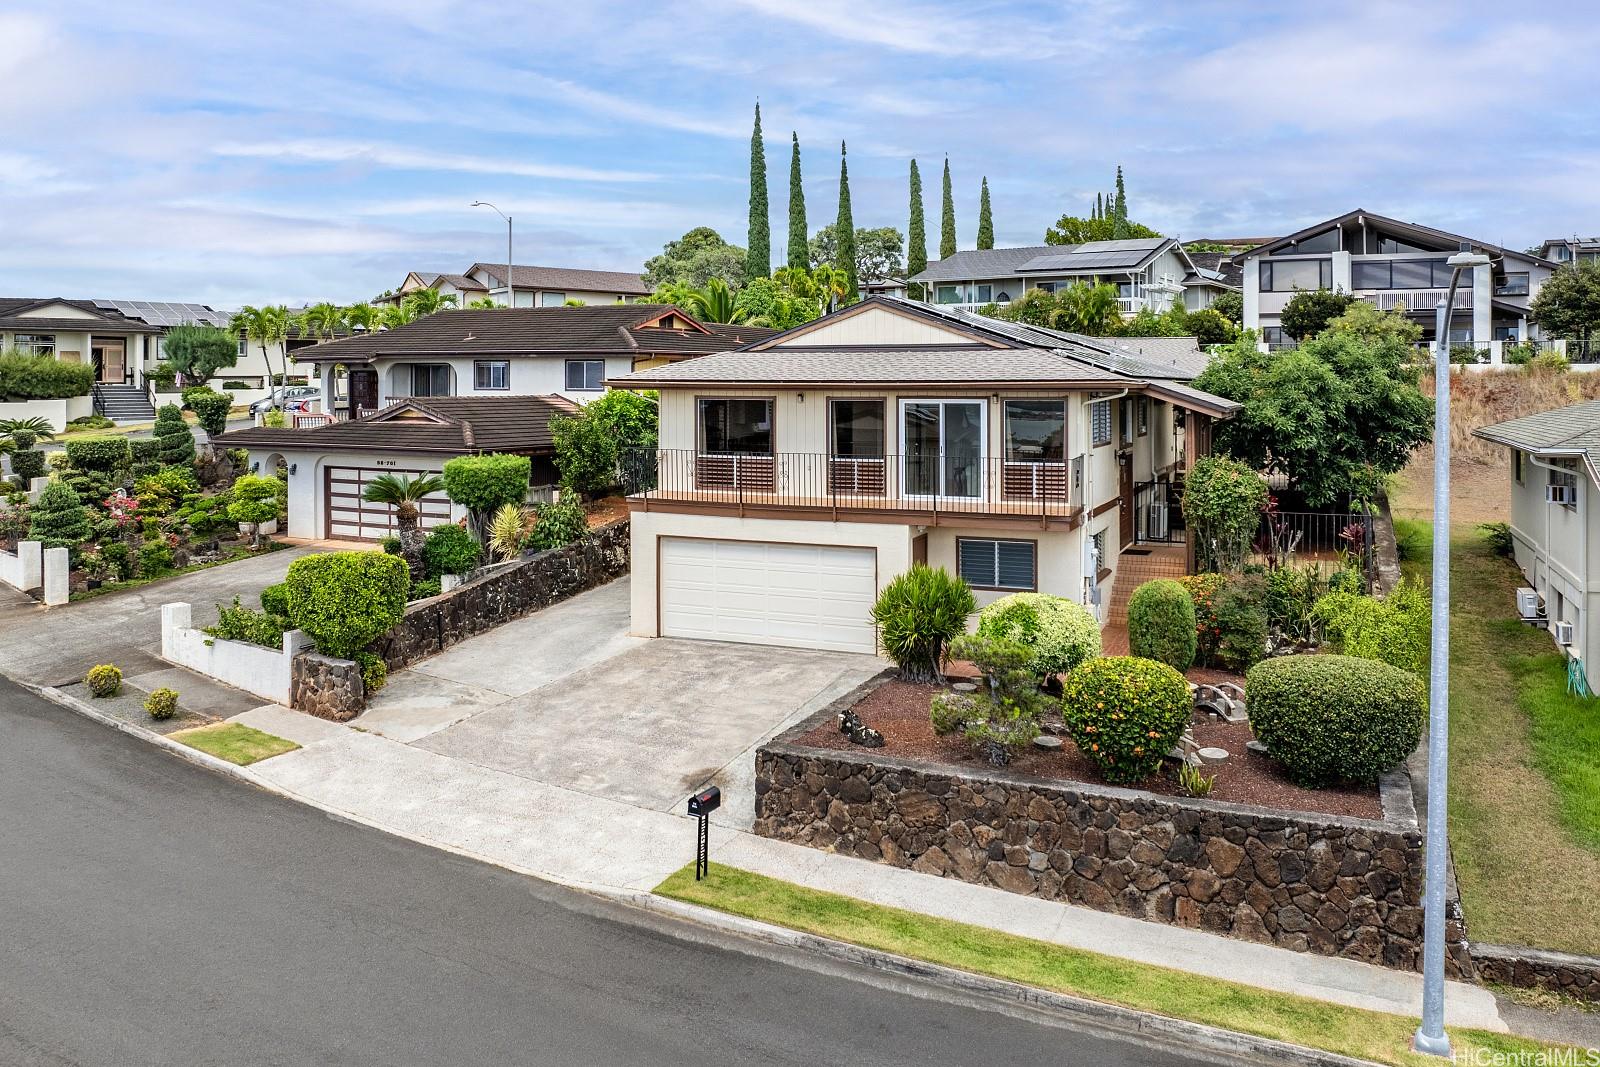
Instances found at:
x=1137 y=564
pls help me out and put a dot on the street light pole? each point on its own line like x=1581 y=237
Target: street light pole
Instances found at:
x=511 y=291
x=1430 y=1037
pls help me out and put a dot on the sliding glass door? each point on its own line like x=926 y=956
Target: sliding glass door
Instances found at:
x=942 y=444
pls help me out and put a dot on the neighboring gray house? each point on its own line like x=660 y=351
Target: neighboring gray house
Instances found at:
x=1392 y=264
x=534 y=286
x=1555 y=522
x=1148 y=272
x=1565 y=250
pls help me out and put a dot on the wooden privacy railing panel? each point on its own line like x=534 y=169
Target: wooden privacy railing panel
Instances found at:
x=858 y=477
x=755 y=473
x=1033 y=481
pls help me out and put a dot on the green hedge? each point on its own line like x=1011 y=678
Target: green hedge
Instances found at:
x=344 y=600
x=27 y=377
x=275 y=600
x=481 y=484
x=1059 y=633
x=99 y=453
x=1125 y=713
x=1161 y=623
x=1335 y=718
x=1394 y=630
x=450 y=550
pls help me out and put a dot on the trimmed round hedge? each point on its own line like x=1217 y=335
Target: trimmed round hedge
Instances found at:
x=343 y=600
x=1126 y=713
x=1161 y=623
x=1059 y=633
x=450 y=550
x=1335 y=718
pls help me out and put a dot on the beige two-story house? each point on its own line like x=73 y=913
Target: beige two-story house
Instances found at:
x=797 y=475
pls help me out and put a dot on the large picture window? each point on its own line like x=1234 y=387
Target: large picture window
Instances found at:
x=859 y=428
x=1036 y=431
x=735 y=426
x=995 y=564
x=586 y=375
x=1287 y=275
x=36 y=344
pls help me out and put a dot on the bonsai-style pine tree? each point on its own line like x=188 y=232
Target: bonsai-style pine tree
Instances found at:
x=177 y=440
x=947 y=217
x=758 y=256
x=985 y=218
x=59 y=519
x=845 y=233
x=917 y=246
x=799 y=253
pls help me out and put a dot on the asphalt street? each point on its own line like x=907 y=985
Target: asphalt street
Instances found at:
x=153 y=912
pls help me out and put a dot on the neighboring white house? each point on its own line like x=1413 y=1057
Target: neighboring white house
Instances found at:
x=800 y=474
x=1148 y=273
x=1392 y=264
x=534 y=286
x=1555 y=520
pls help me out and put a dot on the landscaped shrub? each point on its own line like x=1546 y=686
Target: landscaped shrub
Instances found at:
x=211 y=408
x=423 y=589
x=1548 y=363
x=344 y=600
x=590 y=444
x=27 y=465
x=275 y=600
x=206 y=516
x=1203 y=590
x=1222 y=503
x=162 y=703
x=160 y=493
x=1161 y=623
x=557 y=524
x=237 y=623
x=99 y=453
x=274 y=418
x=1059 y=633
x=1241 y=608
x=104 y=680
x=1125 y=713
x=390 y=544
x=1394 y=630
x=90 y=422
x=177 y=440
x=374 y=672
x=1497 y=535
x=918 y=613
x=59 y=519
x=1290 y=594
x=30 y=377
x=155 y=558
x=1002 y=717
x=1335 y=718
x=483 y=484
x=450 y=550
x=254 y=503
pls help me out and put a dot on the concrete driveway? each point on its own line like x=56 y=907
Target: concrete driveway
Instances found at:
x=566 y=697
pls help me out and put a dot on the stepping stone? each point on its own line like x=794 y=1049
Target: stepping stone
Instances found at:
x=1258 y=747
x=965 y=687
x=1213 y=755
x=1046 y=742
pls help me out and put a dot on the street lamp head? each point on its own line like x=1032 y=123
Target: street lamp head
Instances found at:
x=1466 y=257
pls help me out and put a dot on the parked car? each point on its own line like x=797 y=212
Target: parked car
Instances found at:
x=290 y=398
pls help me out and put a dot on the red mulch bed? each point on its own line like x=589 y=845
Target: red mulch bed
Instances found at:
x=899 y=711
x=606 y=511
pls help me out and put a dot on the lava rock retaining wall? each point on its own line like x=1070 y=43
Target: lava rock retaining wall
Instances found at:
x=1532 y=968
x=1312 y=883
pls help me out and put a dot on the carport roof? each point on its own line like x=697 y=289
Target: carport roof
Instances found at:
x=456 y=425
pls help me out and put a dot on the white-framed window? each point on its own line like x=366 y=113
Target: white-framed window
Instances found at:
x=1570 y=480
x=1100 y=422
x=491 y=374
x=1144 y=415
x=990 y=563
x=244 y=346
x=552 y=300
x=586 y=375
x=36 y=344
x=947 y=294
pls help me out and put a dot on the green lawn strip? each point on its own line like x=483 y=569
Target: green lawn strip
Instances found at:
x=234 y=742
x=1234 y=1006
x=242 y=552
x=1566 y=742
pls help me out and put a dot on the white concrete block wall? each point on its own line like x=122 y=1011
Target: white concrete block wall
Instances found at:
x=57 y=566
x=252 y=668
x=24 y=568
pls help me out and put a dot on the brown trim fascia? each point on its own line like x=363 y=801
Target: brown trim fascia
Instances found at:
x=1107 y=506
x=942 y=385
x=883 y=516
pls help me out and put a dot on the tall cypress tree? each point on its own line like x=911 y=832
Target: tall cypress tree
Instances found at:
x=1099 y=201
x=1119 y=217
x=799 y=254
x=917 y=245
x=985 y=217
x=844 y=231
x=758 y=258
x=947 y=217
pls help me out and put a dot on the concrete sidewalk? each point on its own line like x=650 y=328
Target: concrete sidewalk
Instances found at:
x=604 y=845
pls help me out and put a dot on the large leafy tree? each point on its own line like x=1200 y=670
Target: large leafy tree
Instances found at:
x=790 y=297
x=197 y=352
x=1074 y=230
x=1230 y=305
x=947 y=217
x=917 y=246
x=1309 y=311
x=877 y=251
x=1568 y=304
x=845 y=227
x=985 y=217
x=758 y=257
x=797 y=209
x=268 y=327
x=592 y=446
x=1336 y=415
x=694 y=259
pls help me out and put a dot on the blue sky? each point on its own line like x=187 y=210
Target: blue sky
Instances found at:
x=250 y=152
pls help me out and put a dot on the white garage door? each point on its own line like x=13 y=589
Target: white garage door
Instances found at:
x=805 y=596
x=350 y=518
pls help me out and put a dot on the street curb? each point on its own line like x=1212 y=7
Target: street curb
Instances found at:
x=1143 y=1027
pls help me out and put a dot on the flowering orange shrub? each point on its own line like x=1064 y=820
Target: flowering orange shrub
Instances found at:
x=1125 y=713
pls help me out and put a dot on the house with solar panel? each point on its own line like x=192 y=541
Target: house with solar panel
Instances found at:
x=1152 y=272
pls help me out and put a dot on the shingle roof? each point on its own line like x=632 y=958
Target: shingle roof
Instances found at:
x=959 y=365
x=600 y=329
x=457 y=425
x=461 y=281
x=1571 y=431
x=1218 y=267
x=979 y=264
x=602 y=281
x=107 y=320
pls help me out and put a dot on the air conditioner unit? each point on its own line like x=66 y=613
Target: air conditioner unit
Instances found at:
x=1528 y=606
x=1564 y=634
x=1560 y=494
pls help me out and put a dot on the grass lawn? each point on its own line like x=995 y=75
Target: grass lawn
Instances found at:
x=1369 y=1035
x=235 y=742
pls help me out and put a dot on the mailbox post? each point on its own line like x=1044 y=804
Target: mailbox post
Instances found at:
x=701 y=805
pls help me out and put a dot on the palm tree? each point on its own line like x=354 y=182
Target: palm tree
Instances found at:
x=395 y=315
x=324 y=320
x=714 y=303
x=363 y=316
x=484 y=303
x=403 y=493
x=24 y=433
x=832 y=285
x=427 y=301
x=266 y=325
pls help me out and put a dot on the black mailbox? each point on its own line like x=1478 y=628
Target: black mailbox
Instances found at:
x=706 y=801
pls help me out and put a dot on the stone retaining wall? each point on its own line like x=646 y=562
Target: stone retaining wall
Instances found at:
x=326 y=687
x=1532 y=968
x=433 y=625
x=1312 y=883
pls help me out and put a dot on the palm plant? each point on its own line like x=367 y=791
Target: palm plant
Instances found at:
x=427 y=301
x=507 y=531
x=396 y=315
x=362 y=316
x=484 y=303
x=267 y=325
x=714 y=303
x=831 y=283
x=324 y=320
x=24 y=433
x=403 y=493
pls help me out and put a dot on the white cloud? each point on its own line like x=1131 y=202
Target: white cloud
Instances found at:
x=400 y=157
x=634 y=108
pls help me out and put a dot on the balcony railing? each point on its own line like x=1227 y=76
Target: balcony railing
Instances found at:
x=929 y=486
